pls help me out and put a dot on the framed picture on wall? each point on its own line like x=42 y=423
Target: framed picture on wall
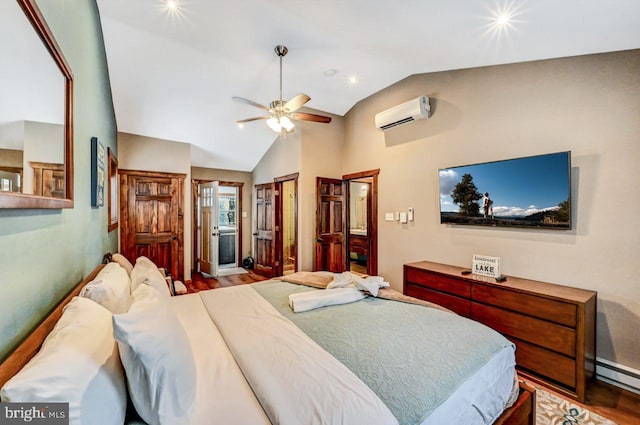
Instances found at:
x=98 y=161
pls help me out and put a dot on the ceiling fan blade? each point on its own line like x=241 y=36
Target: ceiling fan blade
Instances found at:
x=297 y=102
x=266 y=117
x=250 y=102
x=310 y=117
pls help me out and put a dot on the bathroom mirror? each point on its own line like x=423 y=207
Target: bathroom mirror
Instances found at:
x=36 y=128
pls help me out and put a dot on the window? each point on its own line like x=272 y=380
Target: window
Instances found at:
x=227 y=210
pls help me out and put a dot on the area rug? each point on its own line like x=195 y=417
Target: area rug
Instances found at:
x=231 y=271
x=553 y=410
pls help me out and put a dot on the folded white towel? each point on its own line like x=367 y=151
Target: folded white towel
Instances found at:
x=341 y=280
x=371 y=284
x=305 y=301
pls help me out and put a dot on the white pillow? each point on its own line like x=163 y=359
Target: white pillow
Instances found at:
x=157 y=358
x=145 y=272
x=110 y=289
x=78 y=363
x=124 y=263
x=180 y=288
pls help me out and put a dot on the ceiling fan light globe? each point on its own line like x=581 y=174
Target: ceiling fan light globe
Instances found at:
x=286 y=123
x=274 y=124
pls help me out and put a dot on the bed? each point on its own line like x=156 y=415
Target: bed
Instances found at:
x=265 y=364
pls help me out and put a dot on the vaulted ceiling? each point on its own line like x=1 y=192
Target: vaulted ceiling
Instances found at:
x=174 y=72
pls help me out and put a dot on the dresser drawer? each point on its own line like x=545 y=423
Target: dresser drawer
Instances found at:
x=529 y=329
x=546 y=364
x=453 y=303
x=441 y=283
x=544 y=308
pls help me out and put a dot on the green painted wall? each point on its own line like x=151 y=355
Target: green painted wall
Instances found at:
x=44 y=253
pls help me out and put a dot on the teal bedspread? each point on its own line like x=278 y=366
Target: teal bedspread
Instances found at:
x=412 y=357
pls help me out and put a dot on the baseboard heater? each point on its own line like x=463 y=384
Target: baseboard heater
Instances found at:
x=618 y=375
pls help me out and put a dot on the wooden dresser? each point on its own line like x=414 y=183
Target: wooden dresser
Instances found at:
x=553 y=326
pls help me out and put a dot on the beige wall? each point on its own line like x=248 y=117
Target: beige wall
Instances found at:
x=247 y=189
x=313 y=150
x=149 y=154
x=283 y=157
x=322 y=147
x=38 y=147
x=589 y=105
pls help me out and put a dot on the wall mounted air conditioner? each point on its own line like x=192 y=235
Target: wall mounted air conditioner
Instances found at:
x=404 y=113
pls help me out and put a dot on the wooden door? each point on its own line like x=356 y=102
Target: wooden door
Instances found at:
x=265 y=258
x=330 y=225
x=209 y=233
x=151 y=210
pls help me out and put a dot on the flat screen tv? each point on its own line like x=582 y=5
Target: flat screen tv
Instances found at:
x=523 y=192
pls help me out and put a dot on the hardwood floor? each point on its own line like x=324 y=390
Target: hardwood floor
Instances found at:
x=616 y=404
x=201 y=283
x=621 y=406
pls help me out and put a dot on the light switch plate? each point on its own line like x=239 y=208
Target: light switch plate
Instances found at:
x=403 y=217
x=244 y=214
x=389 y=217
x=397 y=215
x=410 y=213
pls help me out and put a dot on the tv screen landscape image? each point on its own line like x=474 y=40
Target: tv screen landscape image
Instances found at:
x=522 y=192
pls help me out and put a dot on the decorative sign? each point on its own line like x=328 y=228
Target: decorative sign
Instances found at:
x=486 y=266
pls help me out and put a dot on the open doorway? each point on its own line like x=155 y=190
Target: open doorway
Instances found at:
x=218 y=233
x=362 y=221
x=288 y=237
x=347 y=223
x=276 y=232
x=359 y=223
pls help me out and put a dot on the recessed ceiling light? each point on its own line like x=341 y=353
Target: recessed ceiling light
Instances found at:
x=502 y=20
x=353 y=79
x=174 y=9
x=240 y=125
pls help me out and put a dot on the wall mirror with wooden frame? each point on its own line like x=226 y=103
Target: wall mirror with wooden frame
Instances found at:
x=36 y=112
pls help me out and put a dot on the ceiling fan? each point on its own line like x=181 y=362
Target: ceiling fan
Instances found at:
x=280 y=112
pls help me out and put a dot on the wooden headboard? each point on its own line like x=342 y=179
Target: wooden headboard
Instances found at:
x=31 y=345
